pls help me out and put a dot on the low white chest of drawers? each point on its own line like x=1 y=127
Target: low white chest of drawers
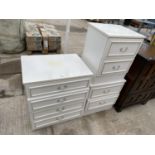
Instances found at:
x=56 y=86
x=109 y=52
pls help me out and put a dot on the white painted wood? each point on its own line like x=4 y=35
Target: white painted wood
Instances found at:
x=52 y=88
x=53 y=67
x=108 y=78
x=56 y=87
x=47 y=102
x=112 y=30
x=104 y=90
x=94 y=48
x=101 y=103
x=98 y=109
x=123 y=48
x=101 y=44
x=57 y=110
x=53 y=120
x=109 y=52
x=116 y=66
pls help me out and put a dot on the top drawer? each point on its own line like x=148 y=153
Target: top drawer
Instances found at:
x=50 y=88
x=123 y=48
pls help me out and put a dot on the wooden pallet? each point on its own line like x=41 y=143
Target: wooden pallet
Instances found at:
x=43 y=39
x=54 y=51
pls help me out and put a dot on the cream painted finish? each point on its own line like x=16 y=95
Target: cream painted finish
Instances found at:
x=103 y=90
x=109 y=52
x=56 y=87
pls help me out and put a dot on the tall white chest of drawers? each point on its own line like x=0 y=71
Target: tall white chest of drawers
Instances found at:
x=56 y=86
x=109 y=52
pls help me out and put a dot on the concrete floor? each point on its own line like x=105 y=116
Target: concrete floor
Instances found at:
x=14 y=117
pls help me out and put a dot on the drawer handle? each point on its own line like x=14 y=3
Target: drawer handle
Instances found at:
x=61 y=100
x=58 y=100
x=102 y=102
x=64 y=99
x=63 y=108
x=116 y=68
x=106 y=91
x=59 y=88
x=58 y=109
x=65 y=86
x=58 y=118
x=62 y=117
x=123 y=50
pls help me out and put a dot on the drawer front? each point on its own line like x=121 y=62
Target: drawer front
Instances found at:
x=97 y=92
x=107 y=78
x=57 y=119
x=57 y=110
x=48 y=102
x=110 y=67
x=101 y=103
x=44 y=89
x=123 y=48
x=98 y=109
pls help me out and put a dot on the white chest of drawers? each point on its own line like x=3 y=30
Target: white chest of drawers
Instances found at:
x=109 y=52
x=56 y=87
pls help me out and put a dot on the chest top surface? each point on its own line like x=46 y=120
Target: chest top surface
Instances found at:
x=53 y=67
x=112 y=30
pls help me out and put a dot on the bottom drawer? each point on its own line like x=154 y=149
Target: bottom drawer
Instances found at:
x=101 y=103
x=98 y=109
x=57 y=119
x=107 y=78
